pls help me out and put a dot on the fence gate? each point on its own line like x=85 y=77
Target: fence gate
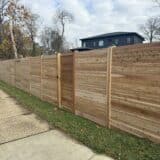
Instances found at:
x=67 y=81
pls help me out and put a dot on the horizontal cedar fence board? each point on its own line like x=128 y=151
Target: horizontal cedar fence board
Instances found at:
x=12 y=72
x=67 y=81
x=7 y=71
x=90 y=85
x=136 y=90
x=35 y=76
x=22 y=72
x=49 y=79
x=138 y=46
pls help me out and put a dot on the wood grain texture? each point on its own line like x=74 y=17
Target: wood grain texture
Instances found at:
x=108 y=86
x=49 y=79
x=67 y=81
x=91 y=84
x=7 y=71
x=136 y=90
x=22 y=74
x=35 y=76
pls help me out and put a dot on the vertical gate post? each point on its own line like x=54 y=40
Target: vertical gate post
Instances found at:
x=41 y=90
x=74 y=91
x=59 y=79
x=108 y=86
x=29 y=75
x=14 y=73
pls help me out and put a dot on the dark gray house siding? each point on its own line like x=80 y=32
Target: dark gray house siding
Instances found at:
x=117 y=38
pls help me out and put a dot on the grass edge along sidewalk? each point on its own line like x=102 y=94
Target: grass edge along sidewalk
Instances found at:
x=113 y=143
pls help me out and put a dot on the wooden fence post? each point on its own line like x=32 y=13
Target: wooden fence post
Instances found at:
x=15 y=73
x=41 y=89
x=59 y=79
x=30 y=75
x=108 y=87
x=74 y=92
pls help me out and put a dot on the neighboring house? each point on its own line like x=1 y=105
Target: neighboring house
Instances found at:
x=110 y=39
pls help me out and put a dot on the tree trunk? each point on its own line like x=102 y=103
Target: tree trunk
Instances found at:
x=62 y=38
x=150 y=40
x=33 y=49
x=13 y=40
x=1 y=31
x=63 y=30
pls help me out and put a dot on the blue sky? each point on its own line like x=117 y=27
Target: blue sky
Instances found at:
x=96 y=16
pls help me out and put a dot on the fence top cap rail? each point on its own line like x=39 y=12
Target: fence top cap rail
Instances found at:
x=103 y=50
x=49 y=56
x=6 y=60
x=67 y=54
x=135 y=46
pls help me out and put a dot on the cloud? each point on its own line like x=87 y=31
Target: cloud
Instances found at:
x=45 y=8
x=96 y=16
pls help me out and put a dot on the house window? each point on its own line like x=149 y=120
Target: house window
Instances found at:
x=94 y=44
x=116 y=41
x=101 y=43
x=128 y=40
x=136 y=40
x=84 y=44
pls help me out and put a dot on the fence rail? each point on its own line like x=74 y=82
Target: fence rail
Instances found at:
x=115 y=87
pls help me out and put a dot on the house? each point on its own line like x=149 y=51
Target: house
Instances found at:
x=110 y=39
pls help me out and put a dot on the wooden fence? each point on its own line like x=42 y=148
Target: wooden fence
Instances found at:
x=115 y=87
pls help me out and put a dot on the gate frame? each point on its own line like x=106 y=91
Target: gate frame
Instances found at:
x=59 y=79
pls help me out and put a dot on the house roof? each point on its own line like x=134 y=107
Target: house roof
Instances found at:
x=112 y=34
x=81 y=49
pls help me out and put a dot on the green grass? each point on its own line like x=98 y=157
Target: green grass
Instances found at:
x=116 y=144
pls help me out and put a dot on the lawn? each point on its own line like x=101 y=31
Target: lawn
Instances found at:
x=114 y=143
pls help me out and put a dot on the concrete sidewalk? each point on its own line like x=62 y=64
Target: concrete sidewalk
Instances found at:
x=23 y=136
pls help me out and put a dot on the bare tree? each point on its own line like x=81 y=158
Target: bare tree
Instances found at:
x=61 y=18
x=56 y=41
x=151 y=29
x=46 y=38
x=17 y=14
x=11 y=12
x=52 y=41
x=31 y=23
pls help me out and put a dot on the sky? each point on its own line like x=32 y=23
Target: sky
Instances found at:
x=93 y=17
